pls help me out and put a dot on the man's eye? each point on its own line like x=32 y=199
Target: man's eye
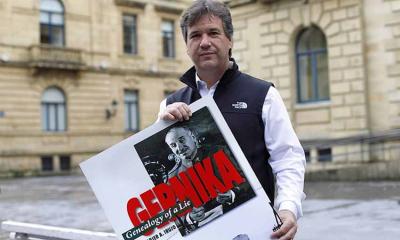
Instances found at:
x=173 y=145
x=194 y=36
x=214 y=33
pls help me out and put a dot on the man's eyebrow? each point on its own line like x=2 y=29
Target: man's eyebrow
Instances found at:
x=193 y=32
x=214 y=29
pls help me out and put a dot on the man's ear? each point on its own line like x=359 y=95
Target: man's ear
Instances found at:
x=230 y=47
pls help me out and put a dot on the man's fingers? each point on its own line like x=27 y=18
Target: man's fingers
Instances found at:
x=289 y=235
x=286 y=232
x=197 y=214
x=224 y=197
x=199 y=209
x=167 y=116
x=176 y=113
x=187 y=109
x=280 y=232
x=184 y=113
x=284 y=235
x=288 y=228
x=179 y=111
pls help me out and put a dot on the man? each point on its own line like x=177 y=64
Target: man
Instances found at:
x=252 y=108
x=184 y=143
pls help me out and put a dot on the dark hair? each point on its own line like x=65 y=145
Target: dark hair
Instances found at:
x=200 y=8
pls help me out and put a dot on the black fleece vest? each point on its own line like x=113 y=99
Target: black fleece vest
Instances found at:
x=240 y=98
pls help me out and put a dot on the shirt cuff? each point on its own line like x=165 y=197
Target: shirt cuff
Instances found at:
x=188 y=220
x=289 y=205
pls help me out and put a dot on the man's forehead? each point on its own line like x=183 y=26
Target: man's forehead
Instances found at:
x=178 y=132
x=204 y=20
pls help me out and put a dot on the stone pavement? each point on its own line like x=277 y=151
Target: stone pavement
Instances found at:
x=359 y=210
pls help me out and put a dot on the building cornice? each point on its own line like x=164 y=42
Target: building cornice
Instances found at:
x=131 y=3
x=238 y=3
x=94 y=69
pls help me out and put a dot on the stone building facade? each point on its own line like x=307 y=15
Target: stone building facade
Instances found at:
x=93 y=56
x=119 y=56
x=362 y=45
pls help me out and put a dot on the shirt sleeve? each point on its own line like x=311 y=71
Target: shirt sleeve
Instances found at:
x=287 y=157
x=163 y=106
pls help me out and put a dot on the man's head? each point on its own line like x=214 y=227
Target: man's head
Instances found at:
x=207 y=29
x=182 y=142
x=201 y=8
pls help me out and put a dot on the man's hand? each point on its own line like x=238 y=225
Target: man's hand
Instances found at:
x=224 y=197
x=176 y=111
x=197 y=214
x=288 y=228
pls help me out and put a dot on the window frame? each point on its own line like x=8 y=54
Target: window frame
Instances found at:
x=325 y=155
x=168 y=36
x=47 y=163
x=52 y=26
x=65 y=163
x=46 y=114
x=128 y=111
x=310 y=55
x=134 y=50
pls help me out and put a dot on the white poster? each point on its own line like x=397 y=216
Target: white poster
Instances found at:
x=181 y=180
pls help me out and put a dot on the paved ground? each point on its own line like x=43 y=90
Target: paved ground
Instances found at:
x=361 y=210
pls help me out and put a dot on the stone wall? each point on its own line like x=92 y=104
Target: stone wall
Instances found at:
x=363 y=61
x=94 y=30
x=387 y=170
x=265 y=43
x=382 y=21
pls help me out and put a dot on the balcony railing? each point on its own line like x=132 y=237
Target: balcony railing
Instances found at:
x=47 y=56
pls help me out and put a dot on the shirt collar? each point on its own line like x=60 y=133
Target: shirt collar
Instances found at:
x=189 y=77
x=203 y=85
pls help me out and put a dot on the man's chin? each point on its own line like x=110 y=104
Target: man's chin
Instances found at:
x=207 y=64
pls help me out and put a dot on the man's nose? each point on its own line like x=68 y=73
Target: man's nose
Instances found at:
x=180 y=148
x=205 y=41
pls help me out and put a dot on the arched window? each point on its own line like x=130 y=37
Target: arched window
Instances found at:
x=312 y=66
x=54 y=116
x=52 y=22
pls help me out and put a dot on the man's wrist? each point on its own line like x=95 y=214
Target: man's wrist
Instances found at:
x=290 y=206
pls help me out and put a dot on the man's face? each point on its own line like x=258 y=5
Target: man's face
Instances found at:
x=182 y=143
x=207 y=44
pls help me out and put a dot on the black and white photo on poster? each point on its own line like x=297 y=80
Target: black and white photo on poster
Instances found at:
x=176 y=149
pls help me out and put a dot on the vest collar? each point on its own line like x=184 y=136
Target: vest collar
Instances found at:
x=189 y=77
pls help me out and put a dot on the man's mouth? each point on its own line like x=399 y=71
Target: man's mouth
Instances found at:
x=206 y=53
x=183 y=155
x=183 y=152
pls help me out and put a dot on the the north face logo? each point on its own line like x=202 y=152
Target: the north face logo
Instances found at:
x=240 y=105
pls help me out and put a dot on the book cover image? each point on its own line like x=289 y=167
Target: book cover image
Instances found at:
x=194 y=161
x=181 y=180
